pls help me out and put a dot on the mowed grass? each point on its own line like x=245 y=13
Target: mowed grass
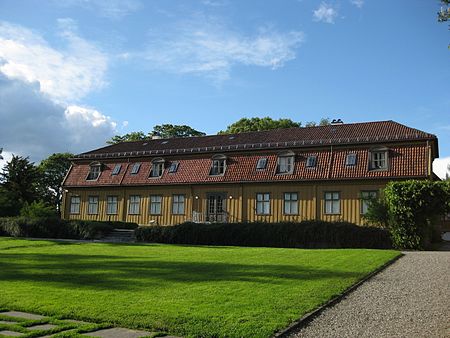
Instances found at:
x=198 y=291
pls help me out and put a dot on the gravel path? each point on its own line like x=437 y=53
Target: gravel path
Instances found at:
x=411 y=298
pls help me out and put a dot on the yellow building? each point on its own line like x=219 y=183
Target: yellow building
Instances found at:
x=326 y=172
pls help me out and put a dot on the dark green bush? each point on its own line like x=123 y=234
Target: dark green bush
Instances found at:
x=307 y=234
x=37 y=209
x=53 y=227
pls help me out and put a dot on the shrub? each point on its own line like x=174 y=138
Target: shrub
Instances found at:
x=52 y=227
x=411 y=210
x=307 y=234
x=37 y=210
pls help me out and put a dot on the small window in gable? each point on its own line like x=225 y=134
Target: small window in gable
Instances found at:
x=218 y=165
x=116 y=169
x=157 y=168
x=262 y=163
x=285 y=163
x=94 y=171
x=378 y=159
x=350 y=160
x=173 y=167
x=135 y=168
x=311 y=161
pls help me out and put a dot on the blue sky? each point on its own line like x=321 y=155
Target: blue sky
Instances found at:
x=75 y=72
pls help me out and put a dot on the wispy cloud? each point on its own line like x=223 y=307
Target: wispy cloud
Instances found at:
x=325 y=13
x=112 y=9
x=40 y=90
x=65 y=75
x=357 y=3
x=210 y=48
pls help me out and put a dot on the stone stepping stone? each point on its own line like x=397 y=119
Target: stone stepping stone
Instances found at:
x=42 y=327
x=118 y=332
x=7 y=322
x=23 y=315
x=11 y=333
x=74 y=321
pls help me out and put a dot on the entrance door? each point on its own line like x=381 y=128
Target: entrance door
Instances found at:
x=216 y=207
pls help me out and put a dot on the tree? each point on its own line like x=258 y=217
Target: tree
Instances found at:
x=20 y=177
x=52 y=172
x=169 y=131
x=162 y=131
x=323 y=122
x=133 y=136
x=444 y=13
x=257 y=124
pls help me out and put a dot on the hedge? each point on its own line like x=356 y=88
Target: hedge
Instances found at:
x=307 y=234
x=57 y=228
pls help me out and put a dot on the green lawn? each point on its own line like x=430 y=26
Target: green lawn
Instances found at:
x=182 y=290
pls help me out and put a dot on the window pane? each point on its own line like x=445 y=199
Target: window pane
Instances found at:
x=111 y=205
x=116 y=169
x=75 y=205
x=155 y=204
x=92 y=205
x=135 y=168
x=134 y=204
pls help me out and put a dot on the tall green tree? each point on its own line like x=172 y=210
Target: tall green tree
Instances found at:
x=170 y=130
x=133 y=136
x=257 y=124
x=52 y=171
x=20 y=178
x=163 y=131
x=444 y=14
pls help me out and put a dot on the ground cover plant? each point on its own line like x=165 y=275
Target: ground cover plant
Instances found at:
x=182 y=290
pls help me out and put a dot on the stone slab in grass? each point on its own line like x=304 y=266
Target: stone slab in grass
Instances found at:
x=42 y=327
x=118 y=332
x=7 y=322
x=11 y=333
x=24 y=315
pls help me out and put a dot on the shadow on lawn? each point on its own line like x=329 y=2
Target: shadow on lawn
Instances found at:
x=132 y=273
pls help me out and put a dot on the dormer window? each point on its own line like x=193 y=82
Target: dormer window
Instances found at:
x=157 y=168
x=378 y=159
x=285 y=163
x=135 y=168
x=311 y=161
x=218 y=165
x=94 y=171
x=350 y=161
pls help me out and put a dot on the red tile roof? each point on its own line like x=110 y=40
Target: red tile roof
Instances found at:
x=351 y=133
x=405 y=161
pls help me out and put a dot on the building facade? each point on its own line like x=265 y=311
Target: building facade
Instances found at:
x=326 y=173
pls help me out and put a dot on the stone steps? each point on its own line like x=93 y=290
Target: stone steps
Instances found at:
x=119 y=236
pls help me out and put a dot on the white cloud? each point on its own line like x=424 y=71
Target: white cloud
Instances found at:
x=209 y=48
x=325 y=13
x=357 y=3
x=112 y=9
x=33 y=125
x=441 y=167
x=40 y=87
x=65 y=75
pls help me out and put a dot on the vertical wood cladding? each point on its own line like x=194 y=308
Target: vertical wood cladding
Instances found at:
x=239 y=201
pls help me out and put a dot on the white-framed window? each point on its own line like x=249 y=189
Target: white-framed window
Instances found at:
x=135 y=168
x=290 y=203
x=157 y=168
x=379 y=159
x=311 y=161
x=218 y=165
x=155 y=204
x=350 y=160
x=332 y=202
x=178 y=204
x=111 y=205
x=75 y=202
x=134 y=205
x=262 y=163
x=92 y=205
x=94 y=172
x=263 y=203
x=285 y=163
x=366 y=197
